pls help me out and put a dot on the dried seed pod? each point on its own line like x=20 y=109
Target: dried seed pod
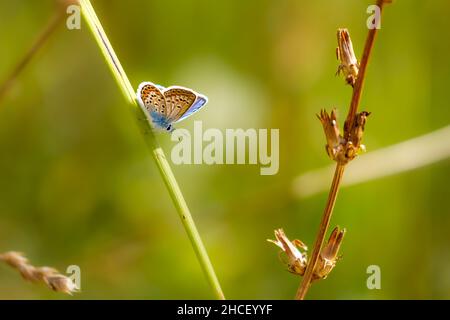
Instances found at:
x=343 y=149
x=349 y=65
x=332 y=133
x=354 y=133
x=296 y=262
x=329 y=255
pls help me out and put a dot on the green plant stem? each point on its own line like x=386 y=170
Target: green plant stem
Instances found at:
x=158 y=154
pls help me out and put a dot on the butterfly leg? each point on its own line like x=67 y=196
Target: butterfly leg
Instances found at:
x=147 y=131
x=142 y=119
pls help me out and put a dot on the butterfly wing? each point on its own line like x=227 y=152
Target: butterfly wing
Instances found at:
x=182 y=102
x=151 y=98
x=178 y=101
x=197 y=105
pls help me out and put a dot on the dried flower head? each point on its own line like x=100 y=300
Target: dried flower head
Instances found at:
x=335 y=141
x=329 y=255
x=349 y=65
x=48 y=275
x=354 y=135
x=339 y=148
x=296 y=260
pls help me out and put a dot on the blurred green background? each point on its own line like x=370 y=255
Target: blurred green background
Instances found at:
x=78 y=186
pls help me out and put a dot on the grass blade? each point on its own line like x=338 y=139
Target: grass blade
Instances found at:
x=158 y=154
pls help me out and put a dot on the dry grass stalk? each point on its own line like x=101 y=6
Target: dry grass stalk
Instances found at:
x=50 y=276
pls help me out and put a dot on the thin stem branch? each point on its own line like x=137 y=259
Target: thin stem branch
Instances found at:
x=337 y=178
x=41 y=39
x=340 y=168
x=158 y=154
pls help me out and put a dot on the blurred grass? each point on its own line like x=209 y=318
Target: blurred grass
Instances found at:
x=77 y=188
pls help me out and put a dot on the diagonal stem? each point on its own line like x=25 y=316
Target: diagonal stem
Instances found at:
x=357 y=91
x=337 y=178
x=339 y=171
x=42 y=38
x=158 y=154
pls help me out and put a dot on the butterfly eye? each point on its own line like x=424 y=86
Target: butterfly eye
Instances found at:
x=169 y=128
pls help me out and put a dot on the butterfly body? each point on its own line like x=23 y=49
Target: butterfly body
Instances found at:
x=159 y=121
x=166 y=106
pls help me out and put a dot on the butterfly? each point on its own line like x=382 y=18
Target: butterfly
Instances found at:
x=166 y=106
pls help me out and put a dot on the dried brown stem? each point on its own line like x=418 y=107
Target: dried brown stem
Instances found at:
x=339 y=171
x=357 y=90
